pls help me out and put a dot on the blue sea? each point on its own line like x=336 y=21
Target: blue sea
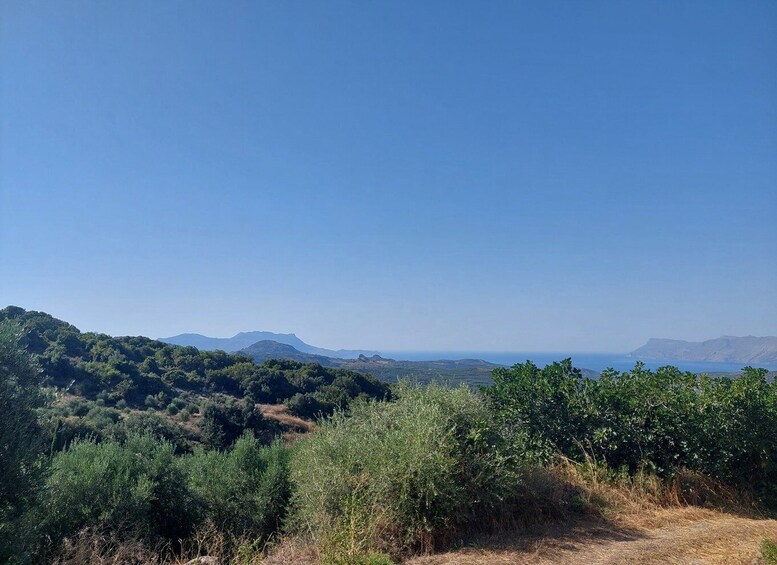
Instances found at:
x=593 y=361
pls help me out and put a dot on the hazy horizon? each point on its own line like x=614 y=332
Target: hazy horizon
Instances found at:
x=442 y=176
x=390 y=350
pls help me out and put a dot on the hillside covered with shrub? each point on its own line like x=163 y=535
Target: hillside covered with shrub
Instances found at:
x=380 y=479
x=108 y=386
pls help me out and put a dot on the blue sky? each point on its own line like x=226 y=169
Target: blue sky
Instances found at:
x=526 y=176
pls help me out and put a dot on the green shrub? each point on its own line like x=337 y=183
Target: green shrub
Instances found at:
x=157 y=426
x=397 y=476
x=222 y=423
x=769 y=551
x=20 y=436
x=135 y=490
x=308 y=406
x=738 y=432
x=97 y=423
x=78 y=407
x=244 y=491
x=68 y=429
x=102 y=417
x=661 y=421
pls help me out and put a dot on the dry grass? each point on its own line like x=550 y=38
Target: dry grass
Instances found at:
x=93 y=548
x=295 y=552
x=280 y=413
x=640 y=499
x=208 y=546
x=628 y=520
x=689 y=535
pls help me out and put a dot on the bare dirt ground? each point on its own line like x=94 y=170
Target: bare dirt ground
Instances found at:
x=675 y=536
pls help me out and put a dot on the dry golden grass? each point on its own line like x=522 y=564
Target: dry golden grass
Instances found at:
x=92 y=548
x=280 y=413
x=208 y=546
x=688 y=536
x=292 y=552
x=631 y=521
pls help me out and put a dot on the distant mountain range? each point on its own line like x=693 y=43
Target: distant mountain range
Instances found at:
x=262 y=346
x=724 y=349
x=246 y=339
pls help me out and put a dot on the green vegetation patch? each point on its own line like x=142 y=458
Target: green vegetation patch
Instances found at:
x=769 y=551
x=400 y=476
x=116 y=376
x=659 y=421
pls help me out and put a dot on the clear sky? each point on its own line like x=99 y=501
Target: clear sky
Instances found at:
x=525 y=176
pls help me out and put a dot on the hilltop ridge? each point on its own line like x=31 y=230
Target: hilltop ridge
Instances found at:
x=747 y=349
x=246 y=339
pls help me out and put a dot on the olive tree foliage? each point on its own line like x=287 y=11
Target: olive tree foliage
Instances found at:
x=20 y=436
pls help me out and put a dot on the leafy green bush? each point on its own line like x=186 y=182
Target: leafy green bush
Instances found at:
x=549 y=403
x=643 y=419
x=243 y=491
x=78 y=407
x=223 y=422
x=66 y=430
x=138 y=491
x=151 y=423
x=396 y=476
x=308 y=406
x=20 y=434
x=661 y=421
x=135 y=490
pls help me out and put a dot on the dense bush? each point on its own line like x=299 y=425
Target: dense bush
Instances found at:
x=243 y=491
x=20 y=435
x=224 y=422
x=395 y=476
x=660 y=421
x=135 y=490
x=738 y=432
x=140 y=490
x=80 y=418
x=309 y=406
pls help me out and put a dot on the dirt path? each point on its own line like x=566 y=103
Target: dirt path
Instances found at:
x=680 y=536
